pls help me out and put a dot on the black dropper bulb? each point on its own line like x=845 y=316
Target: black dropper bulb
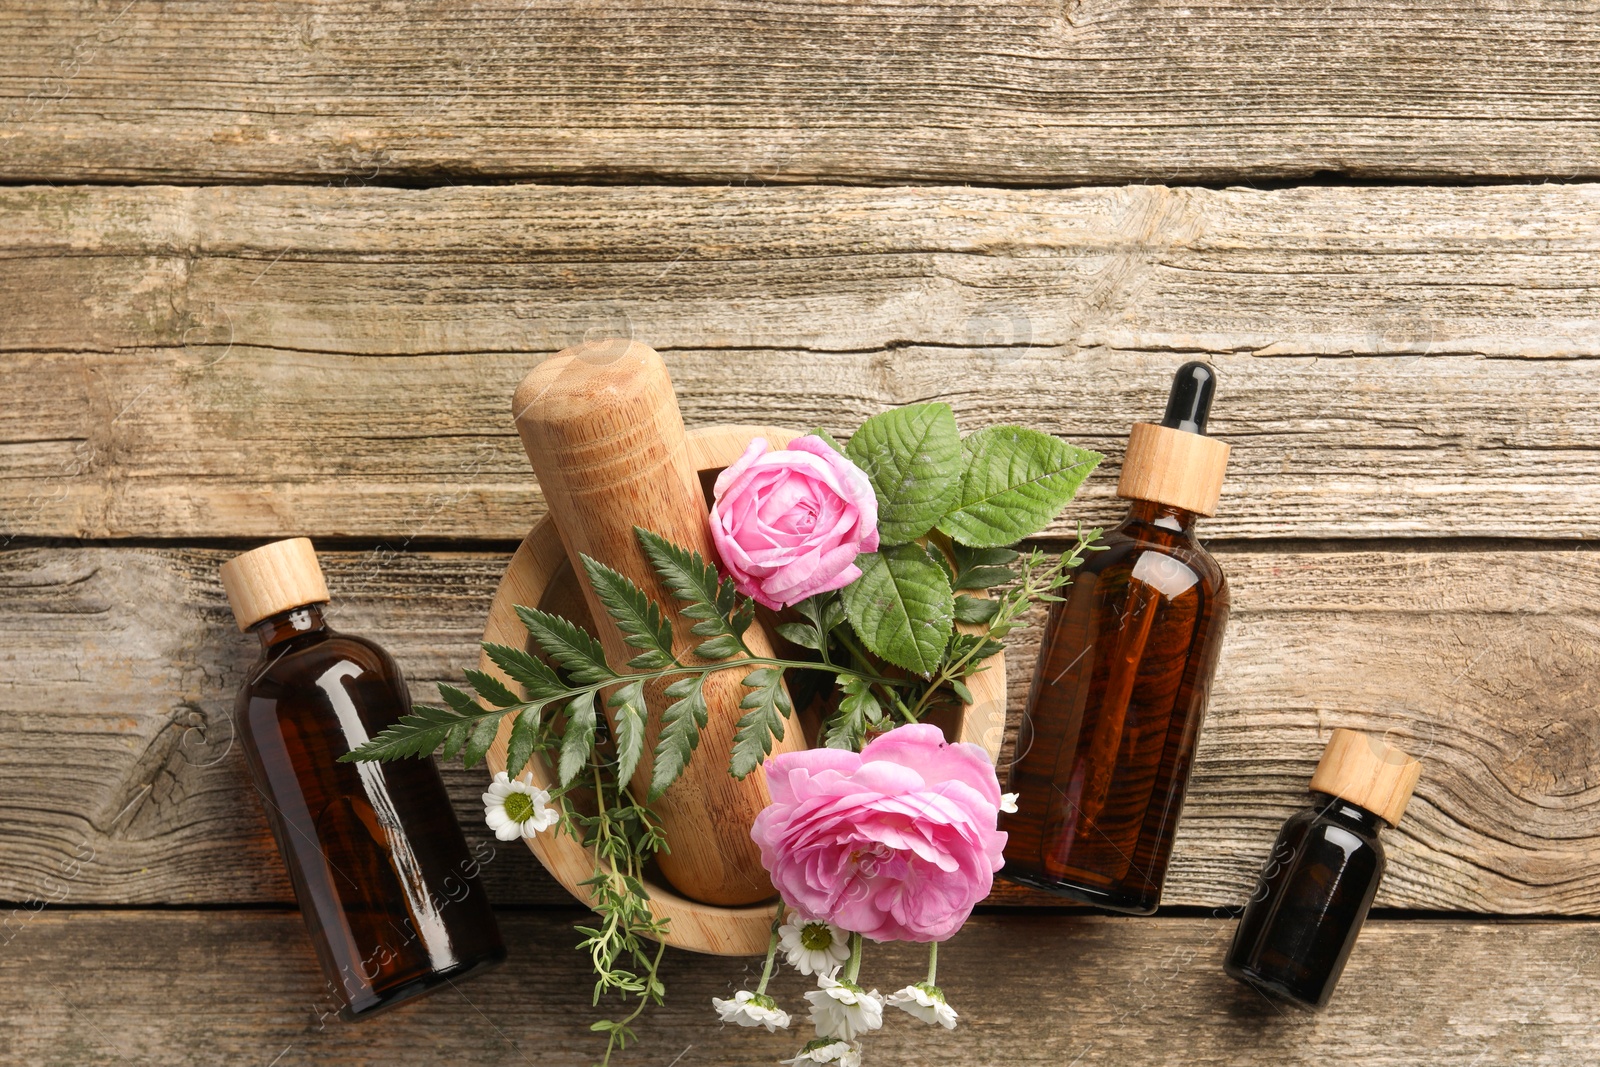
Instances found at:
x=1189 y=403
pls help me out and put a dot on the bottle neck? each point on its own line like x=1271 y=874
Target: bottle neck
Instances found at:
x=1165 y=516
x=1339 y=808
x=287 y=625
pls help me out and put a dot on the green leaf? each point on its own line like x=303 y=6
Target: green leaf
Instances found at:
x=976 y=610
x=632 y=693
x=630 y=739
x=961 y=644
x=740 y=620
x=983 y=568
x=480 y=739
x=858 y=708
x=460 y=702
x=767 y=705
x=538 y=681
x=961 y=690
x=720 y=647
x=824 y=611
x=577 y=741
x=1016 y=481
x=455 y=738
x=912 y=456
x=570 y=646
x=706 y=595
x=680 y=732
x=640 y=619
x=524 y=736
x=902 y=607
x=827 y=439
x=490 y=689
x=416 y=734
x=803 y=634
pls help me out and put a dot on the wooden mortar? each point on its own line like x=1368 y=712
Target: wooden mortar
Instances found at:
x=539 y=575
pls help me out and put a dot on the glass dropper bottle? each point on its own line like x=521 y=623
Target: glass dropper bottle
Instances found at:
x=1124 y=675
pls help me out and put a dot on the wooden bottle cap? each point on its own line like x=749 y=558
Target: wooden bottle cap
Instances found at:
x=1173 y=467
x=273 y=578
x=1368 y=773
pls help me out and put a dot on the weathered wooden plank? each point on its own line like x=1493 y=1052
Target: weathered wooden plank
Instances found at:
x=118 y=668
x=1036 y=92
x=245 y=362
x=242 y=987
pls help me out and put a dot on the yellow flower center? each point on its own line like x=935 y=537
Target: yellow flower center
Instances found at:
x=816 y=936
x=519 y=807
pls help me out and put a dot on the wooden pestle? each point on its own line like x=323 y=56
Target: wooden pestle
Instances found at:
x=602 y=429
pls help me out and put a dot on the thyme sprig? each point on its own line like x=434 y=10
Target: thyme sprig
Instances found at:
x=556 y=716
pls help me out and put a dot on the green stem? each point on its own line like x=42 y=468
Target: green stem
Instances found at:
x=1012 y=604
x=772 y=951
x=614 y=1038
x=933 y=963
x=569 y=695
x=852 y=968
x=885 y=685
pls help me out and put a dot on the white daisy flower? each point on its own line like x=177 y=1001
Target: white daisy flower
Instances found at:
x=1008 y=802
x=844 y=1009
x=827 y=1050
x=926 y=1002
x=516 y=809
x=813 y=946
x=752 y=1009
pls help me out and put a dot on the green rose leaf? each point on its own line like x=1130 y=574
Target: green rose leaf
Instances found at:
x=912 y=456
x=1016 y=481
x=827 y=439
x=902 y=607
x=976 y=610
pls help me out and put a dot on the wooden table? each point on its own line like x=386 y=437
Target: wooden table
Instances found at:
x=275 y=268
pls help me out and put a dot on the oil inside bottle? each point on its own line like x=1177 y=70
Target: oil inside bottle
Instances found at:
x=1123 y=678
x=1313 y=895
x=1104 y=752
x=1298 y=928
x=381 y=871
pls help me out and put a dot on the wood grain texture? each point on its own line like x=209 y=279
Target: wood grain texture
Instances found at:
x=122 y=663
x=268 y=361
x=242 y=987
x=601 y=427
x=1036 y=92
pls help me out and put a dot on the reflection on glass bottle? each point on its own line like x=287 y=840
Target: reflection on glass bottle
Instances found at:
x=379 y=865
x=1123 y=678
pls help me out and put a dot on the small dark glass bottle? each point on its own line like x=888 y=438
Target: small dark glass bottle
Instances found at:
x=380 y=868
x=1316 y=888
x=1123 y=677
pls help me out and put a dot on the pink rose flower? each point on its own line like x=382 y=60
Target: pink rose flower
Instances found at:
x=790 y=524
x=897 y=842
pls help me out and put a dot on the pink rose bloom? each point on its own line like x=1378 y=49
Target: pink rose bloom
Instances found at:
x=789 y=524
x=897 y=842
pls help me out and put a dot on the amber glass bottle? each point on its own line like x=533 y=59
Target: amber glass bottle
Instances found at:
x=1123 y=677
x=1299 y=927
x=379 y=866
